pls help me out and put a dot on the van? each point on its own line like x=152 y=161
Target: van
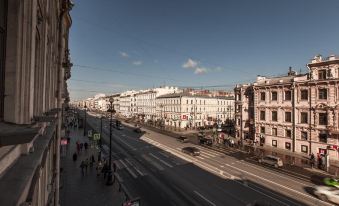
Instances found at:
x=272 y=161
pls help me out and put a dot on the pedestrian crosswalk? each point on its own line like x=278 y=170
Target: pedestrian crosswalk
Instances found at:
x=158 y=161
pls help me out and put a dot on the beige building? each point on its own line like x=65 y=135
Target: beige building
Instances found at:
x=298 y=113
x=182 y=110
x=34 y=67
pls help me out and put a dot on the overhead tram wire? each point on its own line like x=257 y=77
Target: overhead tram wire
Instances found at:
x=152 y=44
x=122 y=72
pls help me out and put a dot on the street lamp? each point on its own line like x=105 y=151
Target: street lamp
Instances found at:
x=110 y=110
x=85 y=119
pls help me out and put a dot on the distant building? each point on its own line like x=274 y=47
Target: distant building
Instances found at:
x=127 y=106
x=146 y=101
x=186 y=110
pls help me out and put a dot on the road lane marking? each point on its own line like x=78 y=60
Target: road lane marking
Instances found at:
x=274 y=183
x=128 y=145
x=207 y=200
x=128 y=169
x=148 y=159
x=200 y=157
x=134 y=166
x=164 y=162
x=288 y=178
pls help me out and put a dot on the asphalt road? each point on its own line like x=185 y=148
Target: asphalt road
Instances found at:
x=152 y=167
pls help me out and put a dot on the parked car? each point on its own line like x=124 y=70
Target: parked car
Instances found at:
x=182 y=139
x=191 y=151
x=331 y=182
x=137 y=130
x=120 y=127
x=205 y=141
x=328 y=194
x=272 y=161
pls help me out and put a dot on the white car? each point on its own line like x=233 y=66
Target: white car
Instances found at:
x=326 y=193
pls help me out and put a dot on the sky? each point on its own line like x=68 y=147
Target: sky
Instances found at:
x=118 y=45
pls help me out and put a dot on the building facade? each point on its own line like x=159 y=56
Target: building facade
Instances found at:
x=181 y=110
x=146 y=101
x=298 y=113
x=34 y=67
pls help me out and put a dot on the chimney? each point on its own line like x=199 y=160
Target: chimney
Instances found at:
x=291 y=72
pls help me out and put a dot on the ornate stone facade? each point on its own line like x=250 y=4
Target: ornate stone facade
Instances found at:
x=297 y=112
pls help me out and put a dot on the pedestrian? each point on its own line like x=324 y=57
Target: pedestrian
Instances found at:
x=75 y=156
x=99 y=156
x=81 y=146
x=99 y=168
x=114 y=167
x=105 y=169
x=78 y=147
x=92 y=161
x=86 y=164
x=312 y=158
x=82 y=166
x=86 y=145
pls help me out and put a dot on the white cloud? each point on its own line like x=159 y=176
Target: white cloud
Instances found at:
x=137 y=63
x=190 y=64
x=124 y=54
x=200 y=70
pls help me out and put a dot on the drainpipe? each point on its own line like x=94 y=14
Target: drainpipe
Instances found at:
x=293 y=116
x=310 y=118
x=59 y=101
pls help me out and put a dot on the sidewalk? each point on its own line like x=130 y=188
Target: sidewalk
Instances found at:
x=88 y=189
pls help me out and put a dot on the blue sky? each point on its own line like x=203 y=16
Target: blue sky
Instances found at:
x=118 y=45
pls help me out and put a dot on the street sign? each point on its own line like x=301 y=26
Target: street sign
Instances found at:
x=96 y=136
x=90 y=133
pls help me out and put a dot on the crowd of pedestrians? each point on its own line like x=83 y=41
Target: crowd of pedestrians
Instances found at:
x=88 y=161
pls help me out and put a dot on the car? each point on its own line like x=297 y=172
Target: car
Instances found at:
x=120 y=127
x=137 y=130
x=327 y=194
x=272 y=161
x=205 y=141
x=331 y=182
x=191 y=151
x=182 y=139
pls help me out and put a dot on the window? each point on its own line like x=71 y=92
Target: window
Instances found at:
x=192 y=101
x=304 y=94
x=274 y=143
x=322 y=119
x=262 y=115
x=323 y=136
x=262 y=96
x=262 y=130
x=304 y=117
x=288 y=116
x=274 y=96
x=304 y=149
x=303 y=135
x=322 y=93
x=186 y=101
x=288 y=133
x=274 y=116
x=274 y=131
x=287 y=145
x=204 y=102
x=322 y=74
x=288 y=95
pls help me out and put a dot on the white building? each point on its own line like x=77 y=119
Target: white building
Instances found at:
x=187 y=110
x=146 y=101
x=127 y=106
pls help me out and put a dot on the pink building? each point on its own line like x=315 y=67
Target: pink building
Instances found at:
x=296 y=112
